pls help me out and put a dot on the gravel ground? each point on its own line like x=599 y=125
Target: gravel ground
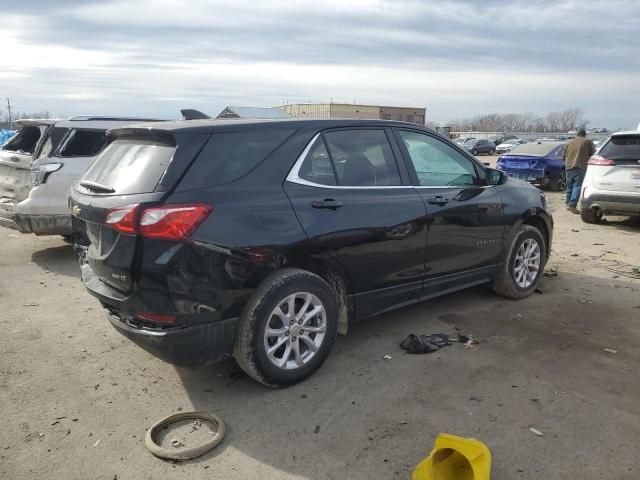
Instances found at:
x=77 y=397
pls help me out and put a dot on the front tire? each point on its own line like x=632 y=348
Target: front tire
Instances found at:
x=287 y=329
x=520 y=273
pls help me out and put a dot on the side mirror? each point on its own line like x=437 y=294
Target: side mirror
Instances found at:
x=495 y=177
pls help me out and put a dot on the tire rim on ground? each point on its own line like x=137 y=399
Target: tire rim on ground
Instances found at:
x=527 y=263
x=295 y=331
x=562 y=181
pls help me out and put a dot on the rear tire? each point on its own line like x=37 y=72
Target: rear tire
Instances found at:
x=285 y=354
x=559 y=184
x=519 y=275
x=589 y=216
x=475 y=152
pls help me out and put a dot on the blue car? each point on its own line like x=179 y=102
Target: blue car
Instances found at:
x=540 y=163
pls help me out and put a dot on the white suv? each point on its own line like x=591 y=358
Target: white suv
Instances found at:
x=612 y=183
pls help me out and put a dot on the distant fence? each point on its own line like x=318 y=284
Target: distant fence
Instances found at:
x=530 y=135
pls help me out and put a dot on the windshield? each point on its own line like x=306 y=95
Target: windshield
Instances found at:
x=627 y=146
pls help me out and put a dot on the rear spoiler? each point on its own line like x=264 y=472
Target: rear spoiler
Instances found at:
x=191 y=114
x=35 y=122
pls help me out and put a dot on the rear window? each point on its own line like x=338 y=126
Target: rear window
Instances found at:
x=24 y=141
x=53 y=139
x=230 y=155
x=538 y=149
x=130 y=166
x=627 y=146
x=84 y=143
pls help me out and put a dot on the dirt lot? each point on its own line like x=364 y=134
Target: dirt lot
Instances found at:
x=77 y=397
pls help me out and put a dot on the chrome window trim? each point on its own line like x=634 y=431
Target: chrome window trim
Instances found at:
x=294 y=176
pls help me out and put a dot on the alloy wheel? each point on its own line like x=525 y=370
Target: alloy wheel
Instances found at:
x=295 y=331
x=562 y=181
x=527 y=263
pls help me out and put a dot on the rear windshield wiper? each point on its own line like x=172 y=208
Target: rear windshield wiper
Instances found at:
x=96 y=187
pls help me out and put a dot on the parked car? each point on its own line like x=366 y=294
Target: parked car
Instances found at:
x=612 y=182
x=540 y=163
x=16 y=157
x=65 y=152
x=262 y=239
x=478 y=147
x=503 y=139
x=509 y=145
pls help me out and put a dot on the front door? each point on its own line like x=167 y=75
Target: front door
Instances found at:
x=465 y=217
x=354 y=200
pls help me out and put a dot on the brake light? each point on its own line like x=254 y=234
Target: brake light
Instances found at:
x=600 y=160
x=123 y=219
x=172 y=222
x=156 y=317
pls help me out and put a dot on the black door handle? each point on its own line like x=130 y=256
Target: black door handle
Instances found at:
x=328 y=203
x=437 y=200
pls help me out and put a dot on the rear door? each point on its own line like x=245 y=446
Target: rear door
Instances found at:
x=465 y=218
x=624 y=174
x=354 y=201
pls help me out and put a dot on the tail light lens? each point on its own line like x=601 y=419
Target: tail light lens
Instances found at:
x=600 y=160
x=123 y=219
x=172 y=222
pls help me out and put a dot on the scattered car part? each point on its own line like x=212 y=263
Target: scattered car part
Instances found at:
x=455 y=458
x=176 y=453
x=424 y=343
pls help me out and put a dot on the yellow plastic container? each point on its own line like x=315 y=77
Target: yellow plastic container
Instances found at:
x=455 y=458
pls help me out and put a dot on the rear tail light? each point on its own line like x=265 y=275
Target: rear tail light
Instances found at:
x=123 y=219
x=168 y=222
x=600 y=160
x=172 y=222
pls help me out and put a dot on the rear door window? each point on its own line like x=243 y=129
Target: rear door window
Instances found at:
x=53 y=139
x=362 y=158
x=129 y=166
x=228 y=156
x=622 y=147
x=317 y=167
x=84 y=143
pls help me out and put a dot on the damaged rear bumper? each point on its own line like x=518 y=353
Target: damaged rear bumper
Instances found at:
x=191 y=341
x=38 y=224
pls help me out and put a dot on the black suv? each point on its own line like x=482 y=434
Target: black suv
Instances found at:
x=263 y=239
x=480 y=146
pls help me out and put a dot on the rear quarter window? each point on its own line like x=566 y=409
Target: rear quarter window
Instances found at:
x=228 y=156
x=84 y=143
x=130 y=166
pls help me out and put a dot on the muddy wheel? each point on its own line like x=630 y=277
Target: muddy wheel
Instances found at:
x=287 y=329
x=589 y=215
x=559 y=184
x=519 y=275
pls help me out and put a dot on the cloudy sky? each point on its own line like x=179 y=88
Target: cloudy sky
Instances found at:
x=457 y=58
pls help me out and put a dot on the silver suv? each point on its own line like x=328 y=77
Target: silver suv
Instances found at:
x=34 y=187
x=612 y=182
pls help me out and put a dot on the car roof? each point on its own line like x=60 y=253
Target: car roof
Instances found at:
x=98 y=123
x=29 y=122
x=626 y=132
x=202 y=126
x=535 y=149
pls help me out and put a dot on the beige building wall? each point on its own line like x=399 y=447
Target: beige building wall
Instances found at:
x=404 y=114
x=348 y=110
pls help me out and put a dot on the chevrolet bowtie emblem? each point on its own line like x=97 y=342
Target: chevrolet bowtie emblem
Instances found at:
x=75 y=211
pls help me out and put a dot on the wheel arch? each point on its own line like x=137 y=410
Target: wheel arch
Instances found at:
x=539 y=219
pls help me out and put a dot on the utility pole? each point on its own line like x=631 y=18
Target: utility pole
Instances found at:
x=9 y=113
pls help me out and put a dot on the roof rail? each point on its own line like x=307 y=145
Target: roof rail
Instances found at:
x=109 y=118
